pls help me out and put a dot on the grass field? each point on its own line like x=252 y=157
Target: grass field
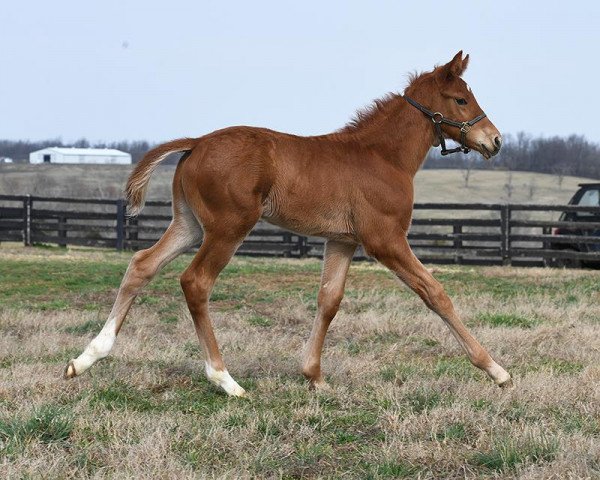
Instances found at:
x=404 y=402
x=108 y=181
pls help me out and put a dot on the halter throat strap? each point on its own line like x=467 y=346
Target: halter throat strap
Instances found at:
x=437 y=118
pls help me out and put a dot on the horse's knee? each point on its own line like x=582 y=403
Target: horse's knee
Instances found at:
x=186 y=280
x=329 y=300
x=195 y=287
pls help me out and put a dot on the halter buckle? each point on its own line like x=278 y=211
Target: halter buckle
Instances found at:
x=465 y=127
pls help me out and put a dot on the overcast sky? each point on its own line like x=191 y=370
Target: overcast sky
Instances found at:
x=131 y=69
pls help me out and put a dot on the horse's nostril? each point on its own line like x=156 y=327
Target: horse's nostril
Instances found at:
x=498 y=141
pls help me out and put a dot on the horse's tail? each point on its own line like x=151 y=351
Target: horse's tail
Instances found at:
x=137 y=183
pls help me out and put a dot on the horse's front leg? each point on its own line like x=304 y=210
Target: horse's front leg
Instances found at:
x=399 y=258
x=336 y=261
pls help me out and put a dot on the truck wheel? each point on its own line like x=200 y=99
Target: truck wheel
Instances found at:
x=565 y=262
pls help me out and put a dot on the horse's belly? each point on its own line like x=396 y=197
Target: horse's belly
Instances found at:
x=331 y=225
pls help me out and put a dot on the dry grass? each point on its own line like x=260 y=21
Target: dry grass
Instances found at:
x=108 y=181
x=404 y=402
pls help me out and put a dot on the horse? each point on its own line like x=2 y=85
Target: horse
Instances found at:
x=353 y=187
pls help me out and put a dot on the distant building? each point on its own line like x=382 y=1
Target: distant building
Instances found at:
x=80 y=155
x=6 y=160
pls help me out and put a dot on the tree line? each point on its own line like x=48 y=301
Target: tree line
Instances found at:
x=572 y=155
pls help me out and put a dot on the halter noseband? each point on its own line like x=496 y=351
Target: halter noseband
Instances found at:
x=437 y=118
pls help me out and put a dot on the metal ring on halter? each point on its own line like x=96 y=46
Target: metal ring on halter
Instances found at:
x=433 y=117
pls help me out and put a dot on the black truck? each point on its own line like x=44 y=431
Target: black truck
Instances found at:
x=588 y=195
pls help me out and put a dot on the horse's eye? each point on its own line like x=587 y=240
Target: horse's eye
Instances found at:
x=461 y=101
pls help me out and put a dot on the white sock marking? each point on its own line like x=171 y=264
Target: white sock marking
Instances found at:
x=98 y=348
x=222 y=379
x=498 y=373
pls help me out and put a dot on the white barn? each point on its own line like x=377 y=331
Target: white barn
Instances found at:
x=80 y=155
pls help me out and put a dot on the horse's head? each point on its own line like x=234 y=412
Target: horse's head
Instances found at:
x=446 y=93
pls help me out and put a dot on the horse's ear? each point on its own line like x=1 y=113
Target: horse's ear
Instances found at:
x=454 y=68
x=465 y=64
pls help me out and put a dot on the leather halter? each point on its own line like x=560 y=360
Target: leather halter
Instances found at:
x=437 y=118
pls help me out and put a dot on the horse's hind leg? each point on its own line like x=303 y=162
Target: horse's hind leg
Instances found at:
x=181 y=235
x=197 y=283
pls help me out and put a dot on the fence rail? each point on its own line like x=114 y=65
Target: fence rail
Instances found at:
x=484 y=234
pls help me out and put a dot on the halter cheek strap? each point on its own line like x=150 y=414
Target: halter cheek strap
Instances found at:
x=437 y=118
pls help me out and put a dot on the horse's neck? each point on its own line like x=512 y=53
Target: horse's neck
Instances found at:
x=403 y=138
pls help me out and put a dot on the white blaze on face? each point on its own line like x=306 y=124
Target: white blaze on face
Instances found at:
x=468 y=88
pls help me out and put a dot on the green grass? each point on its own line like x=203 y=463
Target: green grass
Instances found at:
x=507 y=453
x=259 y=321
x=552 y=364
x=90 y=326
x=562 y=366
x=120 y=396
x=573 y=420
x=47 y=424
x=455 y=431
x=56 y=284
x=393 y=470
x=506 y=320
x=425 y=399
x=402 y=392
x=457 y=367
x=169 y=312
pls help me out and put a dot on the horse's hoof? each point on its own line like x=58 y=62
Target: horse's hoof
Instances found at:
x=507 y=384
x=222 y=379
x=237 y=392
x=319 y=386
x=70 y=371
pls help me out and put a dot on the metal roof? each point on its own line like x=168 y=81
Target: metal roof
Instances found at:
x=85 y=151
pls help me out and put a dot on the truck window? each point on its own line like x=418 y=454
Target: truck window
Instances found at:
x=590 y=198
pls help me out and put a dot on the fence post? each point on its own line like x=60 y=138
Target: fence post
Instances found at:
x=546 y=243
x=302 y=246
x=27 y=203
x=505 y=234
x=120 y=224
x=457 y=231
x=287 y=239
x=62 y=231
x=132 y=233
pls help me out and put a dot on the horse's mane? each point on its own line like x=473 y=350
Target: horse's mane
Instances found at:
x=379 y=108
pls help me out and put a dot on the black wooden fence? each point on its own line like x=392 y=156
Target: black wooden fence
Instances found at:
x=478 y=234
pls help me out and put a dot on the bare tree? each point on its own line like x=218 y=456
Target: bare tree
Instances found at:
x=467 y=169
x=508 y=186
x=531 y=188
x=560 y=171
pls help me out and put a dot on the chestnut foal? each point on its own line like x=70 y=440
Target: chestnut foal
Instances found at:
x=352 y=187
